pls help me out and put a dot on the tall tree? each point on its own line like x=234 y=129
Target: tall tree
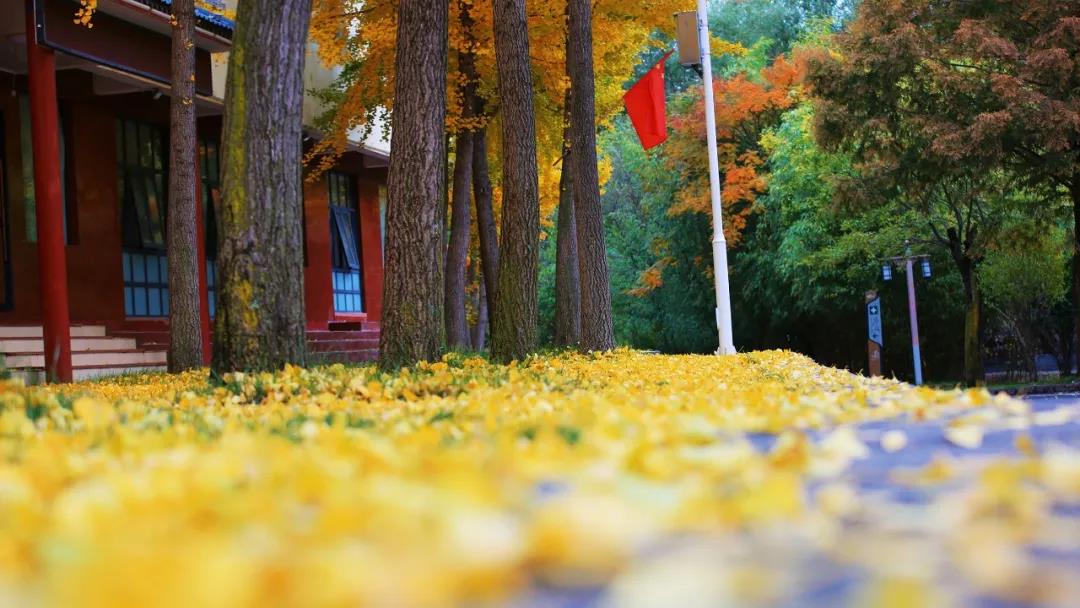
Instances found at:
x=486 y=230
x=457 y=252
x=984 y=85
x=513 y=326
x=597 y=331
x=567 y=276
x=412 y=292
x=260 y=313
x=185 y=335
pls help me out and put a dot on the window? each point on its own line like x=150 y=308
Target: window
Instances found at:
x=141 y=162
x=26 y=151
x=146 y=285
x=210 y=172
x=344 y=244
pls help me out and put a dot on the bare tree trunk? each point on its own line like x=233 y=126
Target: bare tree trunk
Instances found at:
x=457 y=253
x=185 y=326
x=597 y=331
x=567 y=276
x=485 y=219
x=973 y=325
x=514 y=319
x=479 y=330
x=1075 y=191
x=412 y=322
x=260 y=314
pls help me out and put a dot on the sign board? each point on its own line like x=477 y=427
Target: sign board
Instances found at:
x=874 y=333
x=686 y=34
x=873 y=318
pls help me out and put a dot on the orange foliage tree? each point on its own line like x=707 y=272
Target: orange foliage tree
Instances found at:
x=747 y=104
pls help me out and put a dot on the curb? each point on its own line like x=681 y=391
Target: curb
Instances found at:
x=1039 y=389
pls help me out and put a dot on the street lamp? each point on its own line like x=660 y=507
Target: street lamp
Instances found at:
x=693 y=33
x=908 y=262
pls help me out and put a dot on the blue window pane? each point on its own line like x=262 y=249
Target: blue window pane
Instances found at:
x=165 y=302
x=152 y=271
x=155 y=302
x=127 y=267
x=129 y=306
x=164 y=263
x=138 y=268
x=140 y=301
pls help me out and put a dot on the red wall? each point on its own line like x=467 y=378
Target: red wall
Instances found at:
x=318 y=285
x=95 y=274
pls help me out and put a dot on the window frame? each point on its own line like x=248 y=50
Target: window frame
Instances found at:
x=347 y=276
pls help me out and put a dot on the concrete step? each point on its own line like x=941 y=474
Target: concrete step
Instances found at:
x=37 y=376
x=351 y=356
x=90 y=373
x=119 y=358
x=35 y=331
x=11 y=346
x=323 y=346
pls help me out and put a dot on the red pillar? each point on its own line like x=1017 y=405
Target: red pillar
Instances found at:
x=200 y=244
x=371 y=244
x=45 y=133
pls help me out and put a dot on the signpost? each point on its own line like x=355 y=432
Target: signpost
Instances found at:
x=875 y=340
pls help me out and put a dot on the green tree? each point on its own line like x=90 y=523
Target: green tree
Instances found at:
x=1025 y=280
x=954 y=95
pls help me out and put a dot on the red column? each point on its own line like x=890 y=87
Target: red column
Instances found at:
x=200 y=244
x=45 y=133
x=371 y=244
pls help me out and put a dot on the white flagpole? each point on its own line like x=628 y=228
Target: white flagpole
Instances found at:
x=719 y=244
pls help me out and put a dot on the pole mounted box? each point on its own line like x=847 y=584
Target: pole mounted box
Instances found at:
x=686 y=35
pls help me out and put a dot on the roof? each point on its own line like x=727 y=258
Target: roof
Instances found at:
x=212 y=22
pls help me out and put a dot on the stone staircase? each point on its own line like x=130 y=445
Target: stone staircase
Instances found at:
x=349 y=343
x=97 y=352
x=94 y=353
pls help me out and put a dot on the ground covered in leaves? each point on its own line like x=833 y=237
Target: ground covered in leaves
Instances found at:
x=619 y=480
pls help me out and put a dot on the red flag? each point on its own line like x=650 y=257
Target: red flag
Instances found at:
x=645 y=103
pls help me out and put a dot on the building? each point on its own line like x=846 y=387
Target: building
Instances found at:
x=84 y=117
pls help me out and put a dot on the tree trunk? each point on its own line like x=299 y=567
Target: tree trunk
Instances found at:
x=412 y=322
x=479 y=330
x=185 y=325
x=260 y=313
x=973 y=323
x=1075 y=191
x=513 y=334
x=457 y=252
x=567 y=276
x=597 y=331
x=485 y=218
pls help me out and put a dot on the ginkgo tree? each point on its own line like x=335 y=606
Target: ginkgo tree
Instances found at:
x=358 y=35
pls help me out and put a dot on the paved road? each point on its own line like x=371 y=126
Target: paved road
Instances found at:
x=900 y=529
